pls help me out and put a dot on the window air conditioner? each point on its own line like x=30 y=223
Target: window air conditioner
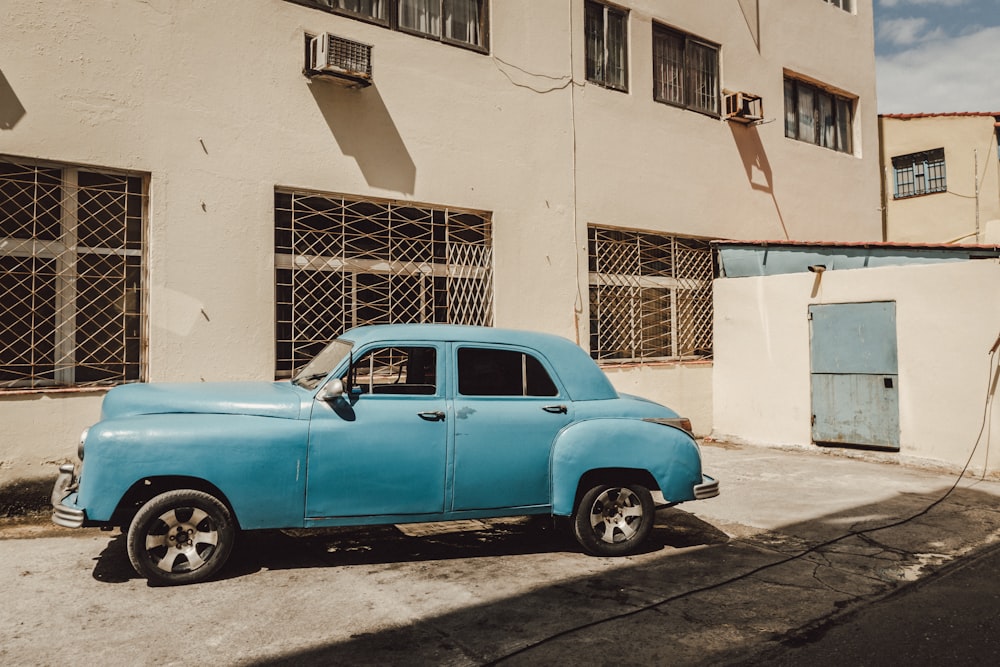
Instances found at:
x=340 y=60
x=745 y=108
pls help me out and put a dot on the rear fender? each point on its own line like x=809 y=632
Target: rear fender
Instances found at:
x=668 y=454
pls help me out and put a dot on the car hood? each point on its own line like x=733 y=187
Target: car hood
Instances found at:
x=263 y=399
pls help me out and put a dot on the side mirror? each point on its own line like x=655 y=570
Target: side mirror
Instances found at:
x=332 y=390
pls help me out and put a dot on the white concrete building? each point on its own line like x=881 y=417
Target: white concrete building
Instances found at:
x=180 y=201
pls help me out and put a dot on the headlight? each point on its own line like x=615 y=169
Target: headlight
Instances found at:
x=83 y=439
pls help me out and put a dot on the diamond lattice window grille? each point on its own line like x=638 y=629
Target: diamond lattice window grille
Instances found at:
x=342 y=262
x=71 y=276
x=650 y=296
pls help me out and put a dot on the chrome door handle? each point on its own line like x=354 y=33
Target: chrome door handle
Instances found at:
x=432 y=416
x=555 y=409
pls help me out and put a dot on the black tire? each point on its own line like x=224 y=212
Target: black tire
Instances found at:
x=614 y=520
x=180 y=537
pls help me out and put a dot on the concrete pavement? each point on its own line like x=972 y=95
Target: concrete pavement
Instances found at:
x=797 y=539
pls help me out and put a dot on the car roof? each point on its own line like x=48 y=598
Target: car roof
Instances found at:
x=581 y=376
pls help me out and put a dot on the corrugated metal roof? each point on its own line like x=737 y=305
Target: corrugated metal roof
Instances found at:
x=862 y=244
x=907 y=116
x=767 y=258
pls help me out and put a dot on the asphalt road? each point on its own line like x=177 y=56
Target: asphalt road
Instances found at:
x=952 y=617
x=797 y=545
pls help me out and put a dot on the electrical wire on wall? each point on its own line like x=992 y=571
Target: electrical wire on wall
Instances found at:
x=552 y=84
x=992 y=379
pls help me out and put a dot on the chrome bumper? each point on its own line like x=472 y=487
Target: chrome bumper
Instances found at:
x=709 y=488
x=66 y=483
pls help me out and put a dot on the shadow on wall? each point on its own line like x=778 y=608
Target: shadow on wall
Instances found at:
x=11 y=110
x=364 y=130
x=756 y=164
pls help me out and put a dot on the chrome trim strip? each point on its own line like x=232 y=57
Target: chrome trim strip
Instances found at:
x=67 y=517
x=709 y=488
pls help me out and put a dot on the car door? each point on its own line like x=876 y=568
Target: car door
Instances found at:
x=381 y=448
x=508 y=408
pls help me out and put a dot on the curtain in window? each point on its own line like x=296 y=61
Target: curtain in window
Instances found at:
x=703 y=66
x=594 y=29
x=827 y=126
x=421 y=15
x=845 y=141
x=807 y=115
x=373 y=8
x=616 y=48
x=462 y=21
x=668 y=57
x=791 y=127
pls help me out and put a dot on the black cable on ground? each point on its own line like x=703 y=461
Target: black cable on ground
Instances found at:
x=789 y=559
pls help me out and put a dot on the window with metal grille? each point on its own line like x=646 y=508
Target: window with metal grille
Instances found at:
x=606 y=30
x=71 y=275
x=342 y=261
x=650 y=296
x=685 y=71
x=817 y=116
x=460 y=22
x=846 y=5
x=919 y=174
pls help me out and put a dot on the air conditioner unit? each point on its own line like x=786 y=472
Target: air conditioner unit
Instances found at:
x=340 y=60
x=745 y=108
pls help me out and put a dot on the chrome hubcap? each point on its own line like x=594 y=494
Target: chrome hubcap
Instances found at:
x=181 y=539
x=616 y=515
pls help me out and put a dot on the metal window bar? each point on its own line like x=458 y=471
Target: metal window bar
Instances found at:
x=919 y=173
x=341 y=262
x=650 y=296
x=71 y=276
x=606 y=35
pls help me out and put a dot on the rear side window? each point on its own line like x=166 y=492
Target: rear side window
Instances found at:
x=486 y=372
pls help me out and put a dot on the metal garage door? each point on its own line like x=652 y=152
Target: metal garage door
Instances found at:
x=855 y=376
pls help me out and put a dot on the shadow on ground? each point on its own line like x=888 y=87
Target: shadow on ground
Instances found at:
x=338 y=547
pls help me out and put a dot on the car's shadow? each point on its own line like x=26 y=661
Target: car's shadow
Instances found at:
x=298 y=549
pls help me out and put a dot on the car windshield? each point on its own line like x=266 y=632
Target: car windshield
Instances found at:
x=316 y=370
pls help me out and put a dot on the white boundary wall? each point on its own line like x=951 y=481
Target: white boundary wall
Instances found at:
x=947 y=319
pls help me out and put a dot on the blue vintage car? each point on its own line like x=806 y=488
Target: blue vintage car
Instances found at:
x=388 y=424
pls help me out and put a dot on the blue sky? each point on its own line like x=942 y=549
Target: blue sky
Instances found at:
x=937 y=56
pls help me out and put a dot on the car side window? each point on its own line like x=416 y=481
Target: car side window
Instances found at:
x=395 y=370
x=490 y=372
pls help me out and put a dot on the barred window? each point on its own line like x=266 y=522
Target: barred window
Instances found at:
x=606 y=32
x=846 y=5
x=71 y=275
x=459 y=22
x=650 y=296
x=817 y=116
x=919 y=174
x=342 y=262
x=685 y=71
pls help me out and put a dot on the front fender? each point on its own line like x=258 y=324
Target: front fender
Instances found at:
x=258 y=463
x=669 y=454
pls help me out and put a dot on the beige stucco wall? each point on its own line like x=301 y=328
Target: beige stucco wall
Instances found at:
x=969 y=143
x=208 y=98
x=947 y=319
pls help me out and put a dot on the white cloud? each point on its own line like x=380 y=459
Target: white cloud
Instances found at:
x=925 y=3
x=942 y=75
x=902 y=32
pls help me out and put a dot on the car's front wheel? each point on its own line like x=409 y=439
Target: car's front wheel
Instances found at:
x=180 y=537
x=613 y=520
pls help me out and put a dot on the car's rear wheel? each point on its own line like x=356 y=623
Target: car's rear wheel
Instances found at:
x=180 y=537
x=614 y=520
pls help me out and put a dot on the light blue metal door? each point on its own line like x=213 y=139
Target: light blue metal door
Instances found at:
x=855 y=374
